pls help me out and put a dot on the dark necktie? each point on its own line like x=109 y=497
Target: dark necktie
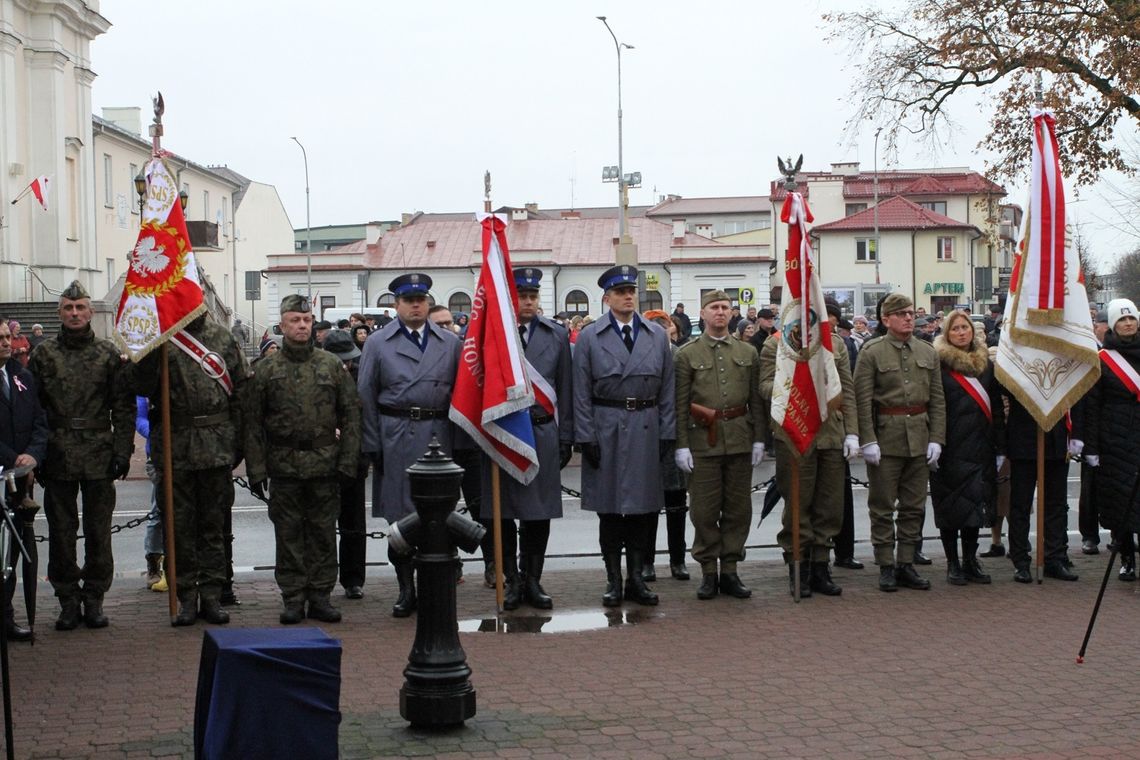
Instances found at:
x=416 y=339
x=7 y=389
x=522 y=335
x=627 y=337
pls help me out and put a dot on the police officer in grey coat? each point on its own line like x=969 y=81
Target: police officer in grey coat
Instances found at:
x=625 y=422
x=547 y=347
x=407 y=372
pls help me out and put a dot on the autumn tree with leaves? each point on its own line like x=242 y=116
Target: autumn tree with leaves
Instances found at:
x=914 y=60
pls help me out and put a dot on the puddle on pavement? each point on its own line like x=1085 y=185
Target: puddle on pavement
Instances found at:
x=563 y=622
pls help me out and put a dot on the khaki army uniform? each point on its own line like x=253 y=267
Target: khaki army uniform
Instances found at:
x=724 y=376
x=822 y=469
x=898 y=388
x=302 y=429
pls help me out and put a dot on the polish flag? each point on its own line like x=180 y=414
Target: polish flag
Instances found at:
x=39 y=188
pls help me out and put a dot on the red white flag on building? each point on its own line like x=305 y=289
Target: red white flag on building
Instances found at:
x=37 y=187
x=807 y=385
x=1047 y=355
x=162 y=292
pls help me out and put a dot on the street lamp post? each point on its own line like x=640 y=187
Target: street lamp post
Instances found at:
x=308 y=224
x=875 y=182
x=626 y=253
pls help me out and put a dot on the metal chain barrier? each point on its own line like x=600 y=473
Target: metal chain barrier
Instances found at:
x=377 y=534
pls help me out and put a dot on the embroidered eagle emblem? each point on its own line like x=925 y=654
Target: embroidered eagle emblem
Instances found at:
x=148 y=257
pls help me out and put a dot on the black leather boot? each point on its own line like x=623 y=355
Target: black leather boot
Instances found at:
x=710 y=586
x=533 y=592
x=973 y=571
x=675 y=528
x=320 y=608
x=293 y=613
x=804 y=579
x=187 y=609
x=612 y=597
x=887 y=581
x=821 y=582
x=512 y=587
x=731 y=584
x=211 y=611
x=908 y=577
x=406 y=577
x=648 y=571
x=954 y=574
x=68 y=619
x=93 y=616
x=635 y=588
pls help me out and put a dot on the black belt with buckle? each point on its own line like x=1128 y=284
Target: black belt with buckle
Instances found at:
x=81 y=423
x=201 y=420
x=413 y=412
x=303 y=444
x=628 y=404
x=539 y=416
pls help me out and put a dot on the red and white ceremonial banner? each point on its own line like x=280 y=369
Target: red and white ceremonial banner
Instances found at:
x=493 y=390
x=1047 y=355
x=162 y=292
x=38 y=187
x=807 y=385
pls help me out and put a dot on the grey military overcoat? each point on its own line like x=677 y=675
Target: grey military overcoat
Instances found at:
x=393 y=372
x=628 y=482
x=548 y=350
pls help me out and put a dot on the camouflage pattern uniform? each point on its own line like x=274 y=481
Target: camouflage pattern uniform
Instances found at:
x=299 y=401
x=91 y=413
x=206 y=438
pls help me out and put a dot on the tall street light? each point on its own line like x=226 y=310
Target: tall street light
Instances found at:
x=623 y=226
x=308 y=225
x=876 y=207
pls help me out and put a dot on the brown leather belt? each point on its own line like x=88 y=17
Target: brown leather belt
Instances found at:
x=201 y=420
x=706 y=417
x=81 y=423
x=539 y=416
x=902 y=411
x=413 y=412
x=303 y=444
x=628 y=404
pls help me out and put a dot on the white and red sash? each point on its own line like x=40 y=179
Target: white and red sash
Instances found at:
x=976 y=390
x=1122 y=369
x=211 y=361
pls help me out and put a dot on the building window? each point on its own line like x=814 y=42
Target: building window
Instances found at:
x=938 y=207
x=72 y=198
x=854 y=208
x=225 y=215
x=206 y=205
x=945 y=249
x=386 y=301
x=110 y=273
x=651 y=299
x=866 y=249
x=134 y=173
x=577 y=303
x=459 y=303
x=108 y=183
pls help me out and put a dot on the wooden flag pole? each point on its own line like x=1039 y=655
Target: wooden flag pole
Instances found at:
x=497 y=532
x=795 y=527
x=168 y=485
x=1040 y=501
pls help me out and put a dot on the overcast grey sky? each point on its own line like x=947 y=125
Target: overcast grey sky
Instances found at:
x=402 y=106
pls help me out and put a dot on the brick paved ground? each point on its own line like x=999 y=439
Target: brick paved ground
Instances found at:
x=982 y=672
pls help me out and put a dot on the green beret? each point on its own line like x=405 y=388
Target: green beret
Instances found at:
x=294 y=302
x=896 y=302
x=713 y=296
x=75 y=291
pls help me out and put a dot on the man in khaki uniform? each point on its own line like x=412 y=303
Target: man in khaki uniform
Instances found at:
x=720 y=429
x=822 y=474
x=902 y=421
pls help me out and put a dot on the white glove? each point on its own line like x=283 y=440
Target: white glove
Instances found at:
x=684 y=459
x=851 y=447
x=1092 y=460
x=872 y=454
x=757 y=454
x=933 y=451
x=1076 y=446
x=1000 y=461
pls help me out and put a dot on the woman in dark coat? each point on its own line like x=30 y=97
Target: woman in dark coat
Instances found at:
x=1110 y=425
x=964 y=487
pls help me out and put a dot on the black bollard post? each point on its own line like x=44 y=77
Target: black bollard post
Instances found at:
x=437 y=690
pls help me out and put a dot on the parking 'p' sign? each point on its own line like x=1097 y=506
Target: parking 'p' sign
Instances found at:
x=746 y=295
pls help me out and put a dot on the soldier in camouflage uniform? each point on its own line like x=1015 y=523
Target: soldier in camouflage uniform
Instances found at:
x=91 y=413
x=302 y=430
x=205 y=437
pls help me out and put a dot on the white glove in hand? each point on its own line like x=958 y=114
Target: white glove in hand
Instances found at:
x=757 y=454
x=1000 y=461
x=1076 y=446
x=1092 y=460
x=851 y=447
x=933 y=451
x=872 y=454
x=684 y=459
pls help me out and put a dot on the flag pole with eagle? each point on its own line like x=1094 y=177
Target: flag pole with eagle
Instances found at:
x=806 y=387
x=1047 y=354
x=161 y=295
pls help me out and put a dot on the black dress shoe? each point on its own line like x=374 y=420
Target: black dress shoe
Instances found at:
x=16 y=632
x=1059 y=571
x=908 y=577
x=849 y=563
x=1128 y=569
x=709 y=586
x=922 y=559
x=887 y=580
x=995 y=550
x=679 y=571
x=354 y=592
x=1089 y=547
x=730 y=584
x=1022 y=575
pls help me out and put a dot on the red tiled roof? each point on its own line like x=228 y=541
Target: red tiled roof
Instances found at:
x=570 y=242
x=907 y=182
x=895 y=213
